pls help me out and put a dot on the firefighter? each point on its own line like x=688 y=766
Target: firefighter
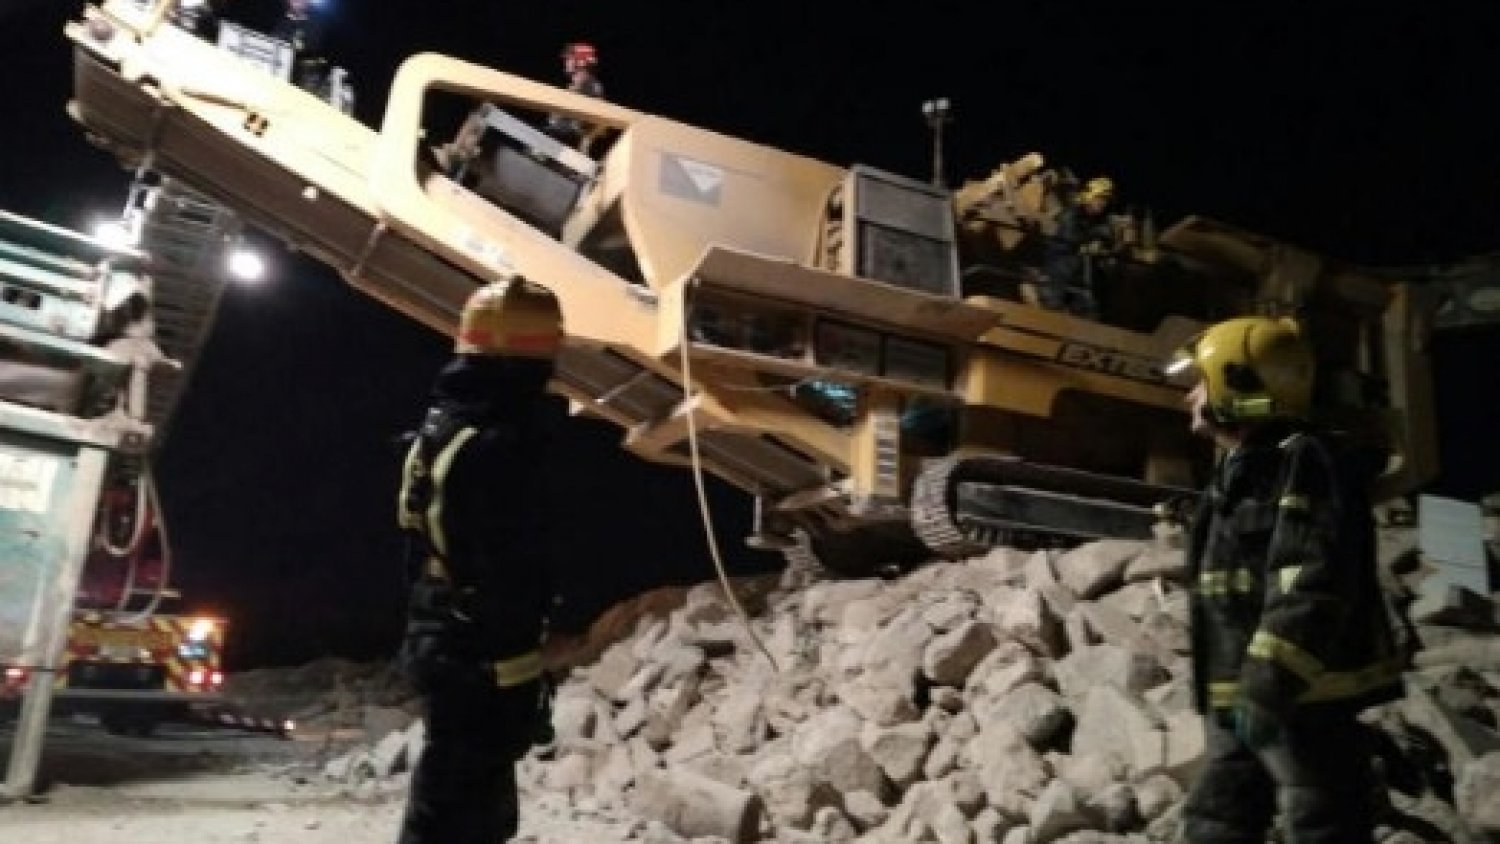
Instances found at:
x=305 y=28
x=471 y=502
x=1083 y=238
x=580 y=64
x=1291 y=637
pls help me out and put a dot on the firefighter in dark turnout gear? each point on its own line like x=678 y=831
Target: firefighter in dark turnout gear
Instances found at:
x=1083 y=239
x=469 y=502
x=1291 y=638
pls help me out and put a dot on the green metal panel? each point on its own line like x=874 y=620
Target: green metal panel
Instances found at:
x=49 y=493
x=37 y=488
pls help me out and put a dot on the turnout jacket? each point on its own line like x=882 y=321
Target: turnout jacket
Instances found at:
x=472 y=497
x=1287 y=609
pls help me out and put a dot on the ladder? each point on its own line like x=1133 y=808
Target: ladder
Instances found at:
x=188 y=237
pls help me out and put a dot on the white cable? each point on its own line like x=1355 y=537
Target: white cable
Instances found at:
x=148 y=481
x=137 y=529
x=126 y=552
x=703 y=509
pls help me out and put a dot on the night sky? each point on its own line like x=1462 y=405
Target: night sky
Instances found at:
x=1368 y=136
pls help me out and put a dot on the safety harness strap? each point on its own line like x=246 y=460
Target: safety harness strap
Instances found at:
x=420 y=502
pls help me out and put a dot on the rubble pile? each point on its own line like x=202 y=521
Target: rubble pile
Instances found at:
x=1013 y=697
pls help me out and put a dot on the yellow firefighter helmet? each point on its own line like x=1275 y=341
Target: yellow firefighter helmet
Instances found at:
x=1252 y=368
x=1099 y=187
x=512 y=317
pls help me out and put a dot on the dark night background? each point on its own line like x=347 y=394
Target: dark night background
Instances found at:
x=1369 y=136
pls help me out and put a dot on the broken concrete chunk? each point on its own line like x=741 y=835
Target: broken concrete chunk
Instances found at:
x=738 y=723
x=832 y=826
x=947 y=699
x=791 y=793
x=950 y=657
x=693 y=805
x=631 y=717
x=1112 y=808
x=1012 y=773
x=827 y=602
x=881 y=699
x=1165 y=634
x=1477 y=793
x=1086 y=772
x=1057 y=811
x=1131 y=670
x=617 y=772
x=570 y=771
x=1008 y=667
x=1003 y=564
x=942 y=758
x=1133 y=599
x=1116 y=727
x=1110 y=624
x=1092 y=569
x=1157 y=560
x=614 y=669
x=1029 y=620
x=389 y=754
x=1034 y=711
x=649 y=633
x=899 y=750
x=1462 y=739
x=865 y=810
x=950 y=610
x=1039 y=570
x=897 y=647
x=990 y=826
x=1076 y=631
x=574 y=712
x=1155 y=794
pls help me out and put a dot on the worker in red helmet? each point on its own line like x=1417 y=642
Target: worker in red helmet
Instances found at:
x=473 y=502
x=579 y=55
x=580 y=62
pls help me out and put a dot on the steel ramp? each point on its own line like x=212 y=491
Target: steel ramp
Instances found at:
x=188 y=238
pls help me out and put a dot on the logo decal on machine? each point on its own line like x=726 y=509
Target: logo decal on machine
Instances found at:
x=1110 y=362
x=692 y=180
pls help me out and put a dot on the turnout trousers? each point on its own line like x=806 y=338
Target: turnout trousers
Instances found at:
x=1318 y=775
x=463 y=790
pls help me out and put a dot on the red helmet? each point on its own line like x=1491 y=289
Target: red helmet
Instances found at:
x=581 y=52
